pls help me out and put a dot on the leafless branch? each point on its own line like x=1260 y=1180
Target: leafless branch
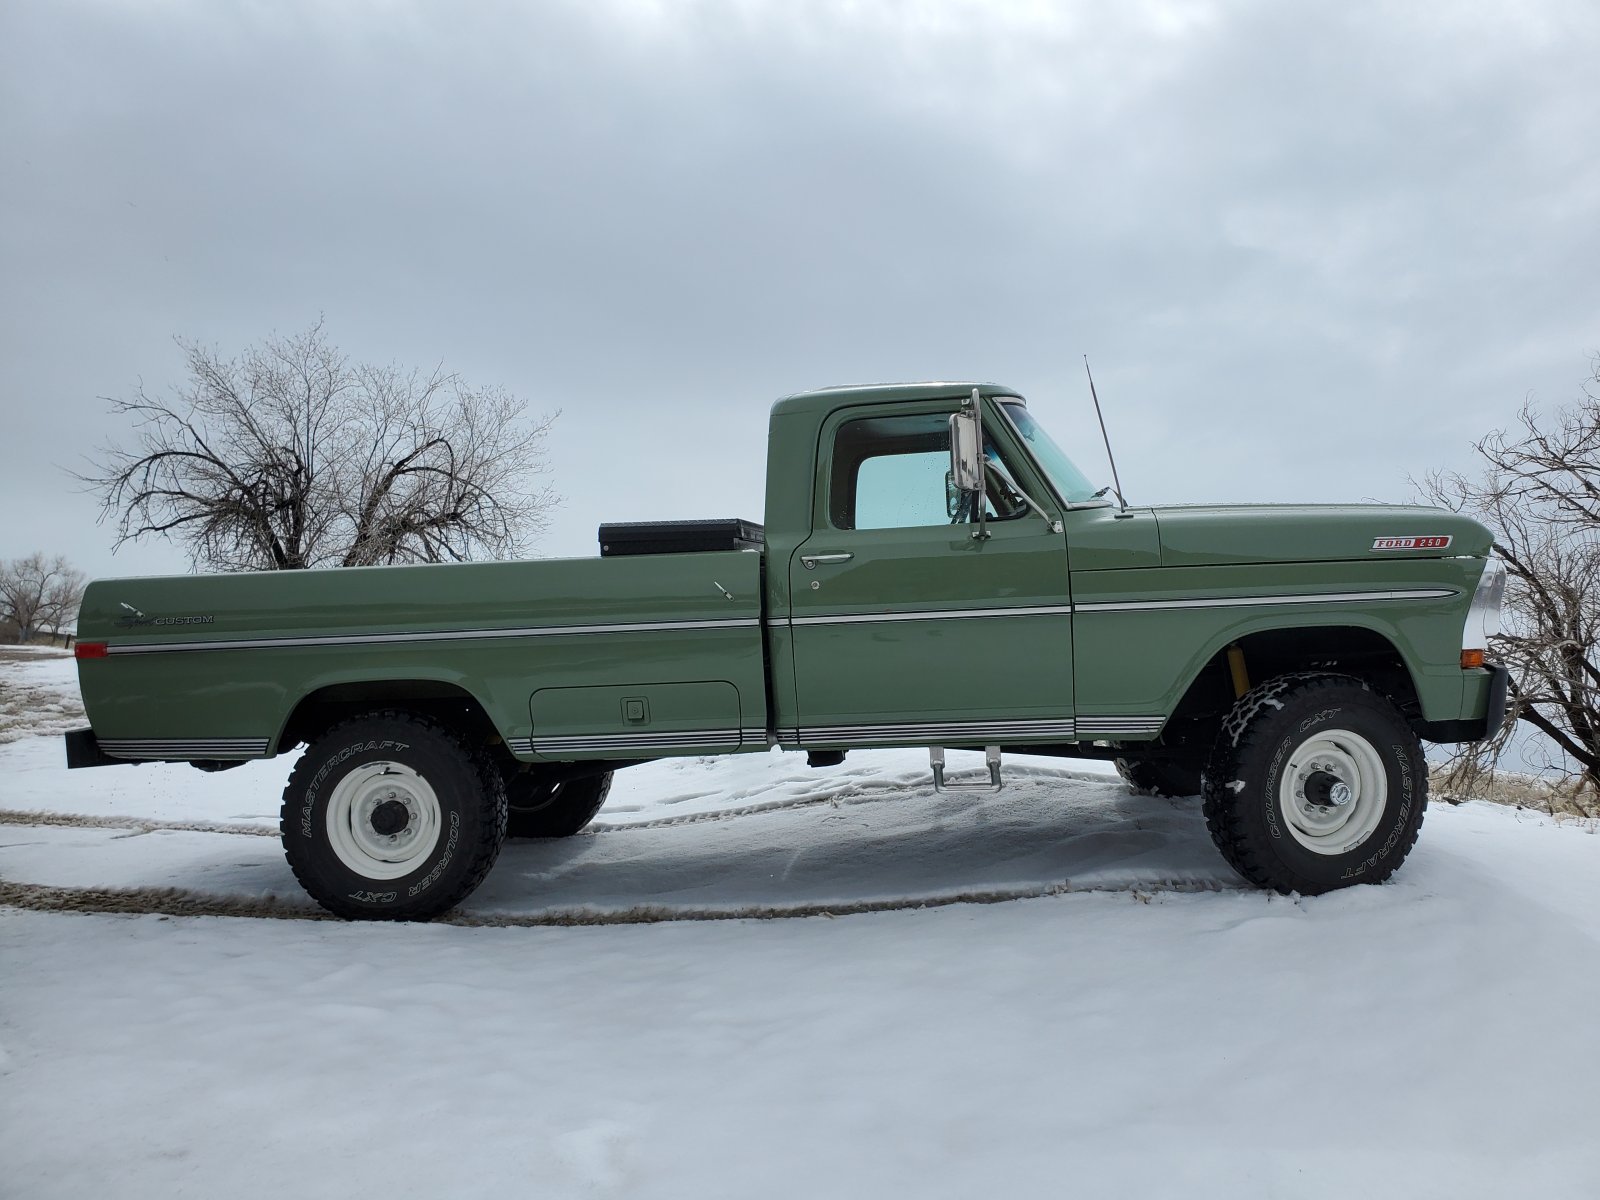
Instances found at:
x=1539 y=491
x=291 y=456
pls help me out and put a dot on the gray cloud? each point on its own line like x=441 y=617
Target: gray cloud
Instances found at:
x=1310 y=249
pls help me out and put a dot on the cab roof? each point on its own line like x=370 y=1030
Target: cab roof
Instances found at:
x=829 y=398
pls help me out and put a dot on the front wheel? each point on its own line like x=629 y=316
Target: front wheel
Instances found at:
x=1315 y=783
x=390 y=816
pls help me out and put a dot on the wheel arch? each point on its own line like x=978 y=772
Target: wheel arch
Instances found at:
x=445 y=700
x=1357 y=650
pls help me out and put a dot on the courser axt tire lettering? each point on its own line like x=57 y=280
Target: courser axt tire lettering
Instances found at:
x=392 y=816
x=1315 y=783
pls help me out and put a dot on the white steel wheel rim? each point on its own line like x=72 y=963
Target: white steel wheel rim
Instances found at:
x=1351 y=763
x=365 y=807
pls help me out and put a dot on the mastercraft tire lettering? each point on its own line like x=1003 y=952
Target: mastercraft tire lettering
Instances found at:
x=1316 y=782
x=391 y=816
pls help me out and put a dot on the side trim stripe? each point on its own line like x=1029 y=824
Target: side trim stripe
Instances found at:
x=534 y=631
x=634 y=741
x=1256 y=601
x=642 y=740
x=945 y=614
x=439 y=635
x=185 y=748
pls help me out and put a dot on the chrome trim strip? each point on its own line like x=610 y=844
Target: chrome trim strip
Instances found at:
x=441 y=635
x=943 y=729
x=609 y=741
x=1254 y=601
x=945 y=614
x=185 y=747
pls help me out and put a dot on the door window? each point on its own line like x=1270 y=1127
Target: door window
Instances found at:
x=893 y=473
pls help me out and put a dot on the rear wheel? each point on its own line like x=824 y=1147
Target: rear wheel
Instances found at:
x=538 y=808
x=391 y=816
x=1316 y=783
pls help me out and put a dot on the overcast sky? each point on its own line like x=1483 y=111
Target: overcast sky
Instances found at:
x=1310 y=249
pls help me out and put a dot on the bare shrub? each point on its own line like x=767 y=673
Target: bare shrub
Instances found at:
x=1539 y=491
x=292 y=456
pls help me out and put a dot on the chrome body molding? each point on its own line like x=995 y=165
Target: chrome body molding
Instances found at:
x=439 y=635
x=1096 y=729
x=635 y=742
x=922 y=732
x=641 y=741
x=963 y=614
x=185 y=748
x=950 y=614
x=1263 y=601
x=943 y=614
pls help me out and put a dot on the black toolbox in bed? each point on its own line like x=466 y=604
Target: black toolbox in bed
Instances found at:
x=678 y=537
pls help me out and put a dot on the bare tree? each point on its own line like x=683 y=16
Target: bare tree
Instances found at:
x=291 y=456
x=1539 y=492
x=37 y=593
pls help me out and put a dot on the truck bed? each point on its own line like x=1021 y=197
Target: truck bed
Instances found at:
x=616 y=657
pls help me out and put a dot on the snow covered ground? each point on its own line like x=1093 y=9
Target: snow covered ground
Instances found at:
x=1134 y=1022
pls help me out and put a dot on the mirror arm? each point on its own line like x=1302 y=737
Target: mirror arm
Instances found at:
x=1000 y=470
x=982 y=533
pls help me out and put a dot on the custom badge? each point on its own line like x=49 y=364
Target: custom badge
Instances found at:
x=1437 y=541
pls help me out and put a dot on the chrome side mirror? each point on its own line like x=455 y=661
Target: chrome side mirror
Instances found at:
x=966 y=451
x=966 y=460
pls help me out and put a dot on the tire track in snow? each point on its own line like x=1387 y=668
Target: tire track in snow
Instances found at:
x=10 y=816
x=180 y=902
x=861 y=793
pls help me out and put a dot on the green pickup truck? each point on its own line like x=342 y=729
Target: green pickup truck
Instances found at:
x=933 y=571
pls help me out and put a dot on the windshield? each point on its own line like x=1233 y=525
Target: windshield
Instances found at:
x=1068 y=481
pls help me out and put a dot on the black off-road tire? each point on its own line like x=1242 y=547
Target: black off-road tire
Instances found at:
x=1255 y=752
x=1161 y=777
x=539 y=809
x=468 y=807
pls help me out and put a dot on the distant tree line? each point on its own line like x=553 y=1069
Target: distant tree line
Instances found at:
x=38 y=596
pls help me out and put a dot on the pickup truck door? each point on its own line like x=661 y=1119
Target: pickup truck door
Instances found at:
x=905 y=629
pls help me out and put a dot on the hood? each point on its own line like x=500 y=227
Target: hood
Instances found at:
x=1205 y=535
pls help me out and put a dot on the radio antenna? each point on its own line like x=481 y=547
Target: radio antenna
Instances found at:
x=1115 y=482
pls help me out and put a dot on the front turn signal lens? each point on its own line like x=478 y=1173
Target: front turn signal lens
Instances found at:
x=1471 y=659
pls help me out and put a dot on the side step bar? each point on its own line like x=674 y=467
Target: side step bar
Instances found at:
x=991 y=758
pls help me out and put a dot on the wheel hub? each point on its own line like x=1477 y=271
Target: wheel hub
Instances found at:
x=390 y=817
x=1326 y=790
x=383 y=820
x=1333 y=792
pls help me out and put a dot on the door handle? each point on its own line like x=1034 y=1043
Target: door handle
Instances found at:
x=811 y=560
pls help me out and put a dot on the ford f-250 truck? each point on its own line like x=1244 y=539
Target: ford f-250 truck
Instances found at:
x=933 y=571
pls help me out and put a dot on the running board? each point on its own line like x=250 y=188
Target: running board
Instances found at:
x=991 y=758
